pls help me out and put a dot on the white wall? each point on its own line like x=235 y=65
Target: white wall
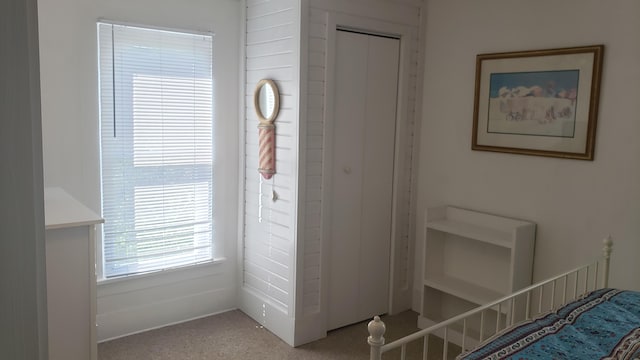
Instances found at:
x=23 y=303
x=68 y=52
x=575 y=203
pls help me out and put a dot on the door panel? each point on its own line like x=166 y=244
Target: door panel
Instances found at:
x=377 y=184
x=362 y=176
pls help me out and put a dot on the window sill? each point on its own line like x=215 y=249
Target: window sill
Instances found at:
x=177 y=272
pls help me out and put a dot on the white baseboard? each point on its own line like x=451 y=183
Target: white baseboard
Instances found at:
x=136 y=319
x=310 y=327
x=268 y=315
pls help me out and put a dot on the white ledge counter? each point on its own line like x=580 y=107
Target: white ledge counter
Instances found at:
x=71 y=277
x=62 y=210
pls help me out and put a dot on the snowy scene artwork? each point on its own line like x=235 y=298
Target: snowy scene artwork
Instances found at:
x=541 y=102
x=533 y=103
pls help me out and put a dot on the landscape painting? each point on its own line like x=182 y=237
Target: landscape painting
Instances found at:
x=539 y=103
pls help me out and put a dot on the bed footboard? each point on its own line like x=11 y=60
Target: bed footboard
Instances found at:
x=491 y=318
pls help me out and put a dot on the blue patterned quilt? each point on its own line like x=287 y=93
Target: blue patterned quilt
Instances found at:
x=604 y=324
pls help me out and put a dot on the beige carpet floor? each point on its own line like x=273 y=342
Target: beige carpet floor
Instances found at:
x=233 y=335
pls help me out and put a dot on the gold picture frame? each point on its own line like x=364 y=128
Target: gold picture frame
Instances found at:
x=540 y=102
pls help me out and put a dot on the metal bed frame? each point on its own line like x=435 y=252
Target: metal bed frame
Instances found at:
x=577 y=282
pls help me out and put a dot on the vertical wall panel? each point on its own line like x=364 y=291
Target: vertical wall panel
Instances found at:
x=317 y=43
x=268 y=270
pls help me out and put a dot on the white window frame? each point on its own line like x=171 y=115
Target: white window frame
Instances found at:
x=217 y=246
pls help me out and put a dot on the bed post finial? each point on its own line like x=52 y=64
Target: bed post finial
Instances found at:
x=606 y=250
x=376 y=339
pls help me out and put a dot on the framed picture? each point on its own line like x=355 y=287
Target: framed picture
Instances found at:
x=542 y=102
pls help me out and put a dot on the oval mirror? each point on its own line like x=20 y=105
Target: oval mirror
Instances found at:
x=266 y=100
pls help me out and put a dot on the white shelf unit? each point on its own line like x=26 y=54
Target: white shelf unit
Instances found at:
x=471 y=258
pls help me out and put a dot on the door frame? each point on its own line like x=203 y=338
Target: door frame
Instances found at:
x=341 y=21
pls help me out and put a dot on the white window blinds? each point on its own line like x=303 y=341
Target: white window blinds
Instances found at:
x=156 y=112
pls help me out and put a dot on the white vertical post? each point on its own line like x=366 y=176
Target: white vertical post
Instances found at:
x=608 y=245
x=464 y=333
x=553 y=294
x=540 y=299
x=513 y=310
x=445 y=341
x=376 y=339
x=425 y=347
x=482 y=325
x=586 y=280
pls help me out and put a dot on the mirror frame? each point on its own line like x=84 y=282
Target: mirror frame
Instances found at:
x=256 y=100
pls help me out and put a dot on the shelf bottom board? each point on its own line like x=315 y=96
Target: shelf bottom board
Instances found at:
x=463 y=289
x=454 y=334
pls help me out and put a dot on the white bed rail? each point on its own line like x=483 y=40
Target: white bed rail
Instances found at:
x=506 y=310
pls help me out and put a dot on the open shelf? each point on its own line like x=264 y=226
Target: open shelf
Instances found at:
x=472 y=231
x=462 y=289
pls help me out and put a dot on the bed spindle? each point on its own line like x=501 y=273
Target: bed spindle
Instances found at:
x=482 y=325
x=445 y=345
x=498 y=317
x=528 y=306
x=595 y=276
x=575 y=285
x=540 y=299
x=586 y=280
x=564 y=291
x=464 y=333
x=403 y=352
x=513 y=310
x=553 y=294
x=425 y=347
x=608 y=245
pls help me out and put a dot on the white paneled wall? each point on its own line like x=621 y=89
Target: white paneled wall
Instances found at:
x=271 y=49
x=283 y=285
x=316 y=74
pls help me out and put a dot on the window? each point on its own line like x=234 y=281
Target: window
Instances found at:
x=156 y=115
